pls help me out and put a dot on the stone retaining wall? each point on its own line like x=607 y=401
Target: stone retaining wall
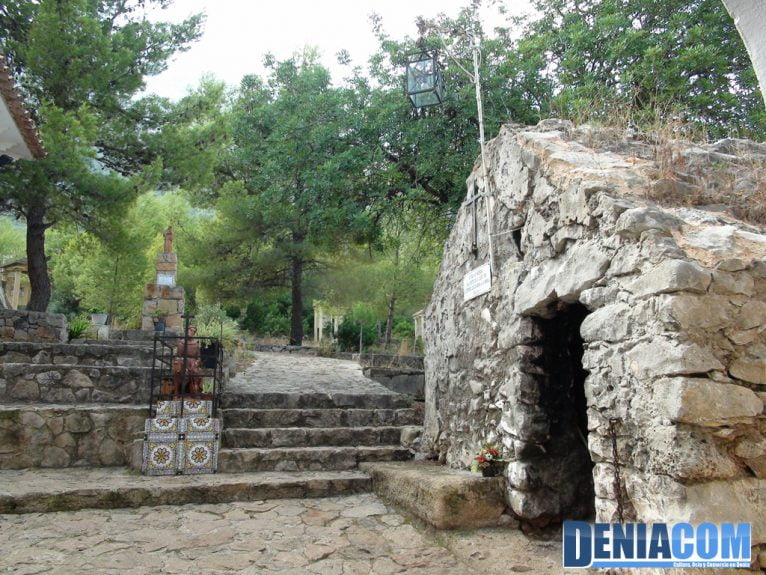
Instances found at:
x=401 y=380
x=56 y=383
x=617 y=335
x=90 y=354
x=67 y=436
x=391 y=360
x=22 y=325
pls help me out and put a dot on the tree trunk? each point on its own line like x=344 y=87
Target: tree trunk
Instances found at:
x=390 y=319
x=296 y=312
x=36 y=262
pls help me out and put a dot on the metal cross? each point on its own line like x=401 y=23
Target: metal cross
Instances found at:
x=474 y=222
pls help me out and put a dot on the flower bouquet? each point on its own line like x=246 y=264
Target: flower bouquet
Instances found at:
x=489 y=461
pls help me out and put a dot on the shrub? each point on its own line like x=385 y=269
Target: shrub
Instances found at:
x=348 y=335
x=404 y=328
x=77 y=327
x=212 y=321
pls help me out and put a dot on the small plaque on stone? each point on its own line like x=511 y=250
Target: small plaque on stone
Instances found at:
x=166 y=279
x=477 y=282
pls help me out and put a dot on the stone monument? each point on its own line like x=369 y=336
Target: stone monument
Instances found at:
x=163 y=298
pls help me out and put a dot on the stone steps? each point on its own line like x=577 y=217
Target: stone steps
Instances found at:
x=313 y=400
x=336 y=417
x=311 y=436
x=50 y=490
x=306 y=458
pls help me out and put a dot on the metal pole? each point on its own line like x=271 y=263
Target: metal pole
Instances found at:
x=480 y=109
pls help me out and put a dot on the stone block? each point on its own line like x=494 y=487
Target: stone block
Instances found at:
x=705 y=402
x=672 y=276
x=688 y=311
x=661 y=356
x=442 y=497
x=76 y=380
x=633 y=222
x=23 y=390
x=609 y=323
x=167 y=257
x=167 y=268
x=750 y=370
x=55 y=457
x=563 y=277
x=78 y=422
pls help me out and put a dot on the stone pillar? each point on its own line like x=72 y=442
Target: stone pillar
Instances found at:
x=163 y=294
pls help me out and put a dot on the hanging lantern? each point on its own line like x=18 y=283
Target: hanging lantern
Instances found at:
x=425 y=84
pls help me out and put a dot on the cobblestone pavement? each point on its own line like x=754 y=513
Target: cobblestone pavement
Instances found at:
x=293 y=373
x=340 y=535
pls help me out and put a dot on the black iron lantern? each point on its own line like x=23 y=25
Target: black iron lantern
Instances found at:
x=425 y=84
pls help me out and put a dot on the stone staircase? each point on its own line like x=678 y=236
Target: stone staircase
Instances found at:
x=312 y=432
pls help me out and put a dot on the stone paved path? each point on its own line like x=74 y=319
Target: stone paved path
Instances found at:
x=293 y=373
x=340 y=535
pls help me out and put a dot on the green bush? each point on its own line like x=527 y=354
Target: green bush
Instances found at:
x=77 y=327
x=212 y=321
x=233 y=311
x=404 y=328
x=268 y=316
x=348 y=335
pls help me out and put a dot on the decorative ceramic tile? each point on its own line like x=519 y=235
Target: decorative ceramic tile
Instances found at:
x=200 y=456
x=164 y=425
x=167 y=408
x=202 y=424
x=197 y=407
x=161 y=457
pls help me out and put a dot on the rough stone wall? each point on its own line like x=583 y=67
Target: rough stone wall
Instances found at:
x=618 y=334
x=56 y=383
x=22 y=325
x=67 y=436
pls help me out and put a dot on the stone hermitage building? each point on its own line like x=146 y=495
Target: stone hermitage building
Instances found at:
x=620 y=354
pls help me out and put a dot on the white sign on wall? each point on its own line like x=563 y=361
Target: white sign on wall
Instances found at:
x=477 y=282
x=166 y=279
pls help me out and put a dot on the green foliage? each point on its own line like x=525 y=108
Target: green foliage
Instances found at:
x=233 y=311
x=81 y=63
x=647 y=60
x=269 y=316
x=348 y=335
x=404 y=328
x=77 y=327
x=12 y=240
x=295 y=195
x=109 y=273
x=212 y=321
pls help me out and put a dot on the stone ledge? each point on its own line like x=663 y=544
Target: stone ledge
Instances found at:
x=442 y=497
x=43 y=491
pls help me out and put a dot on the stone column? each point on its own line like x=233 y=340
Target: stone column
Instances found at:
x=163 y=294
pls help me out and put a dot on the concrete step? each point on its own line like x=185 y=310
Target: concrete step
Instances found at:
x=311 y=437
x=50 y=490
x=306 y=458
x=443 y=497
x=68 y=383
x=314 y=400
x=96 y=353
x=264 y=418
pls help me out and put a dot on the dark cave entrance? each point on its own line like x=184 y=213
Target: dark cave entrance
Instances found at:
x=562 y=398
